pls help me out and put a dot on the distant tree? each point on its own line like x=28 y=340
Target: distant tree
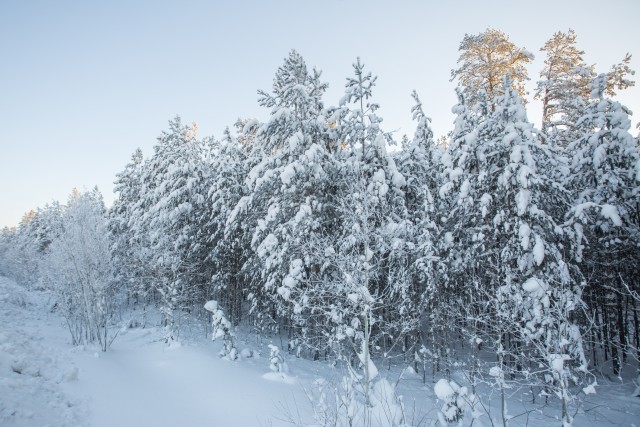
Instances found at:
x=485 y=59
x=30 y=243
x=7 y=239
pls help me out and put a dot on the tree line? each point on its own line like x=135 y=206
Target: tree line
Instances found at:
x=507 y=250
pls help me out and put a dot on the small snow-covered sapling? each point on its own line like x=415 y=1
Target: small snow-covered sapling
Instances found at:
x=275 y=359
x=222 y=329
x=453 y=397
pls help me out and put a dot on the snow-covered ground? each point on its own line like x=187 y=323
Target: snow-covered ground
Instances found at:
x=139 y=381
x=35 y=364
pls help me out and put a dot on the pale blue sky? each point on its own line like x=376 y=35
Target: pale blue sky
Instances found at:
x=82 y=84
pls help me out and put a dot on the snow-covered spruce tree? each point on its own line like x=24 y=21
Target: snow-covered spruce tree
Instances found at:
x=531 y=289
x=605 y=182
x=454 y=400
x=228 y=253
x=454 y=300
x=418 y=163
x=166 y=219
x=372 y=303
x=276 y=361
x=287 y=193
x=128 y=266
x=79 y=269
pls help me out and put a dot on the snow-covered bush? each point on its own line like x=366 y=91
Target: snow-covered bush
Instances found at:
x=222 y=329
x=454 y=398
x=339 y=404
x=276 y=361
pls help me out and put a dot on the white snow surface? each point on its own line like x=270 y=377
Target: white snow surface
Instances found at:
x=141 y=381
x=35 y=364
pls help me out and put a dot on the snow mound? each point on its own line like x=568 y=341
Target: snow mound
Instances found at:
x=443 y=389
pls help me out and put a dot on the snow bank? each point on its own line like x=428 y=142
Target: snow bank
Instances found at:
x=32 y=372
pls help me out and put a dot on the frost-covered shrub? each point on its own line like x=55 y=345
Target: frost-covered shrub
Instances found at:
x=79 y=269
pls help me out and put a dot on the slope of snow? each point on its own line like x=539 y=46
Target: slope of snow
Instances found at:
x=35 y=363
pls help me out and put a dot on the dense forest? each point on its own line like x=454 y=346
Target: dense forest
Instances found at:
x=504 y=250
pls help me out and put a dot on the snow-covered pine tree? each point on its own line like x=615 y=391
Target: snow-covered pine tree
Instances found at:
x=128 y=267
x=167 y=217
x=605 y=182
x=372 y=302
x=287 y=198
x=618 y=77
x=418 y=163
x=484 y=60
x=457 y=245
x=563 y=88
x=526 y=274
x=229 y=167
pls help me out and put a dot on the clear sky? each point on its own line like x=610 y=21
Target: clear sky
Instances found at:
x=83 y=83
